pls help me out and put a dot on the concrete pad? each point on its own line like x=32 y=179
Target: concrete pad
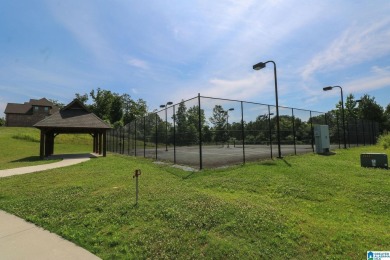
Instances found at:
x=22 y=240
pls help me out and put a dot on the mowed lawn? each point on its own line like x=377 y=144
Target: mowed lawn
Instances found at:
x=300 y=207
x=20 y=146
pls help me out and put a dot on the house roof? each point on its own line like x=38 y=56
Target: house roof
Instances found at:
x=41 y=102
x=73 y=116
x=15 y=108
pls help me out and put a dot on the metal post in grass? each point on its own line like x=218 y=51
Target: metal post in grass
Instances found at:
x=136 y=174
x=200 y=134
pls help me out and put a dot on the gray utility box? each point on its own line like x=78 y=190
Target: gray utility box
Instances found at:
x=376 y=160
x=321 y=137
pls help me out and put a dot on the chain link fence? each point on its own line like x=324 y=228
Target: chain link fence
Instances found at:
x=206 y=132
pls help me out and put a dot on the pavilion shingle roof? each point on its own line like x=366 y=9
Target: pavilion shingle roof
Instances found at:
x=74 y=115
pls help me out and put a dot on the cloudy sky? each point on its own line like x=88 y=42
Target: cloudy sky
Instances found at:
x=172 y=50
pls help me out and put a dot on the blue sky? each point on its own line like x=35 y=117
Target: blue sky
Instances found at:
x=172 y=50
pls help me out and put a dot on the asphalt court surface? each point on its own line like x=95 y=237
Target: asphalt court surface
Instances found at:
x=217 y=156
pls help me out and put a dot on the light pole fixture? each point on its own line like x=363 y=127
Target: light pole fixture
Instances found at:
x=227 y=123
x=342 y=110
x=260 y=66
x=166 y=123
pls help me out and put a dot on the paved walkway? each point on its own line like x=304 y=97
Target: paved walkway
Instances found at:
x=68 y=159
x=22 y=240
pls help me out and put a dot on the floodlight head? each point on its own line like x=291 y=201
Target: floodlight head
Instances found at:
x=231 y=109
x=162 y=106
x=259 y=66
x=169 y=103
x=327 y=88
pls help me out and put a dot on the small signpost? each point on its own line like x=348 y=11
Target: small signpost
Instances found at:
x=136 y=174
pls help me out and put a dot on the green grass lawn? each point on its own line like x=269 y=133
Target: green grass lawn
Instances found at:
x=301 y=207
x=20 y=146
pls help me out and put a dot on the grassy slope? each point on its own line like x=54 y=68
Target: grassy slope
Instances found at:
x=308 y=206
x=20 y=146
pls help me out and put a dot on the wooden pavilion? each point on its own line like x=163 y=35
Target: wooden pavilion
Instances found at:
x=72 y=119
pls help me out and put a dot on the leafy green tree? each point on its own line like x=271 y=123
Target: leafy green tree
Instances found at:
x=181 y=123
x=82 y=98
x=57 y=103
x=370 y=110
x=219 y=121
x=2 y=121
x=386 y=124
x=102 y=100
x=133 y=109
x=116 y=109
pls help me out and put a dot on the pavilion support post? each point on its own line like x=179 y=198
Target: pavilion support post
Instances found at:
x=51 y=143
x=94 y=143
x=42 y=145
x=104 y=144
x=100 y=143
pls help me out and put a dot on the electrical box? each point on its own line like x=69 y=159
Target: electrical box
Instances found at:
x=375 y=160
x=321 y=137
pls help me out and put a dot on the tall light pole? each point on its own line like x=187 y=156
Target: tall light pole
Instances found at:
x=342 y=110
x=260 y=66
x=166 y=123
x=227 y=123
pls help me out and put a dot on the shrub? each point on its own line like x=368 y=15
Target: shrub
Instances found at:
x=384 y=140
x=26 y=137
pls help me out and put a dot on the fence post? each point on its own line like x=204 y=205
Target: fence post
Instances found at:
x=338 y=130
x=144 y=136
x=135 y=137
x=174 y=134
x=312 y=132
x=357 y=132
x=348 y=136
x=242 y=132
x=128 y=139
x=156 y=133
x=270 y=130
x=293 y=125
x=200 y=134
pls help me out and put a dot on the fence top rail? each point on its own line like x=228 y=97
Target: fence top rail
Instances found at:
x=255 y=103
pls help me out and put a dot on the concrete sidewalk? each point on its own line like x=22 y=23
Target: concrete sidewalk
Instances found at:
x=22 y=240
x=68 y=159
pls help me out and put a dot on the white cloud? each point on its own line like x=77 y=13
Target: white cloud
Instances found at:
x=356 y=44
x=378 y=80
x=255 y=87
x=134 y=62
